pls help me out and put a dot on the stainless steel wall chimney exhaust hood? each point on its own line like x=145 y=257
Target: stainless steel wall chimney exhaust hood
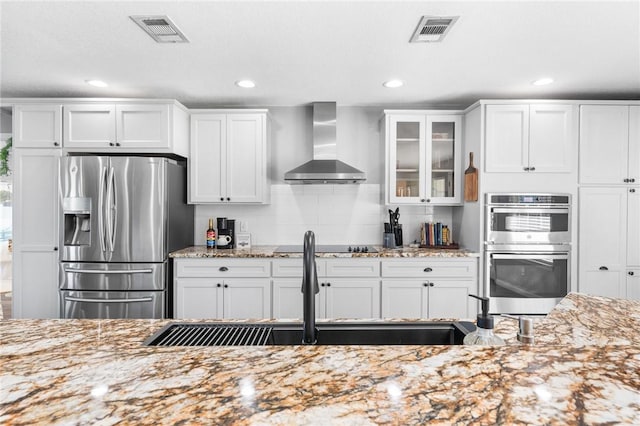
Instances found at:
x=324 y=168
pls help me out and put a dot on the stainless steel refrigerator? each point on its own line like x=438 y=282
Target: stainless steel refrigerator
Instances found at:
x=120 y=218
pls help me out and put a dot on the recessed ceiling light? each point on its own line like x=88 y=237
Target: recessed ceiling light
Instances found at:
x=97 y=83
x=543 y=81
x=392 y=84
x=247 y=84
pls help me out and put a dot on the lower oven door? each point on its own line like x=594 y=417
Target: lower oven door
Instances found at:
x=112 y=304
x=526 y=283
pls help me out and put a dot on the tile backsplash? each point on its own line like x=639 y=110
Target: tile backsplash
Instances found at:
x=338 y=214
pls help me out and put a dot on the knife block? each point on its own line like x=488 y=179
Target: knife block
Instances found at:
x=397 y=231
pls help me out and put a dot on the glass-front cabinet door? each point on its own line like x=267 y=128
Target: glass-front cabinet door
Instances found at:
x=424 y=159
x=443 y=159
x=406 y=159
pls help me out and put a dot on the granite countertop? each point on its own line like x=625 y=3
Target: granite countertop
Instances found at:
x=268 y=252
x=583 y=369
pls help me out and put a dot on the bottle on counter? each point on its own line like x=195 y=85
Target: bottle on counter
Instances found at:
x=484 y=332
x=211 y=235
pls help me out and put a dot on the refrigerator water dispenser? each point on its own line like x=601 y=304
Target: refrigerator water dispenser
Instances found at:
x=77 y=221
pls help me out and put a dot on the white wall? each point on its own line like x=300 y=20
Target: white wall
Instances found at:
x=338 y=214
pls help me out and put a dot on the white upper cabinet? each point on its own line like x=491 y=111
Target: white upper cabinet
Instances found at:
x=529 y=138
x=142 y=126
x=124 y=127
x=90 y=126
x=228 y=158
x=609 y=144
x=551 y=132
x=423 y=158
x=37 y=126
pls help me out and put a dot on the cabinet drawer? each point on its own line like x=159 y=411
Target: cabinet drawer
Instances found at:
x=353 y=268
x=222 y=268
x=293 y=267
x=425 y=268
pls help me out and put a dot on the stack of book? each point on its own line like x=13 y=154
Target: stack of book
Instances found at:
x=436 y=235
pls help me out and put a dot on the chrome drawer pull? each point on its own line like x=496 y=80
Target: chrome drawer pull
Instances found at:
x=121 y=272
x=78 y=299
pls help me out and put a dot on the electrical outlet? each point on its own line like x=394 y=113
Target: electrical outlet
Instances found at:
x=244 y=226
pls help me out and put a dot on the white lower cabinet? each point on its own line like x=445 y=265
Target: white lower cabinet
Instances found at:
x=419 y=288
x=349 y=288
x=35 y=233
x=608 y=240
x=350 y=298
x=356 y=288
x=633 y=284
x=222 y=288
x=236 y=298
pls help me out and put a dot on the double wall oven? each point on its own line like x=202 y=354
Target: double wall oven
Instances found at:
x=527 y=251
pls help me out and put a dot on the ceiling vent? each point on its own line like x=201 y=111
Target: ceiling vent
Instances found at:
x=432 y=28
x=160 y=28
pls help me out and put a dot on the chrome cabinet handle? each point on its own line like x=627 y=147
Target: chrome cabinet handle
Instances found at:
x=218 y=285
x=79 y=299
x=632 y=190
x=425 y=284
x=56 y=144
x=111 y=144
x=115 y=272
x=428 y=270
x=630 y=272
x=626 y=180
x=632 y=180
x=431 y=284
x=603 y=268
x=226 y=286
x=223 y=269
x=526 y=169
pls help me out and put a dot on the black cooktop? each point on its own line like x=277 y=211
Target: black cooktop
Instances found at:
x=327 y=249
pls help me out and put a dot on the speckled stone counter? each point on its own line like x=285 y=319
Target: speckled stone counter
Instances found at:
x=268 y=252
x=584 y=369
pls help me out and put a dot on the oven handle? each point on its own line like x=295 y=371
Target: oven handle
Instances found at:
x=79 y=299
x=523 y=210
x=529 y=256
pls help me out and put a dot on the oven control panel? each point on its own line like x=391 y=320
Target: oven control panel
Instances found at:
x=531 y=199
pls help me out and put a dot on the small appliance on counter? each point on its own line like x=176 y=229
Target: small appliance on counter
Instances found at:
x=392 y=237
x=226 y=233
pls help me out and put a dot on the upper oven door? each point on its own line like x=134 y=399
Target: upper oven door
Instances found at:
x=528 y=225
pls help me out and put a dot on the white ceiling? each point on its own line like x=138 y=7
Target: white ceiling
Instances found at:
x=298 y=52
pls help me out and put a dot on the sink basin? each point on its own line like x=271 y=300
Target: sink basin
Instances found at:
x=286 y=334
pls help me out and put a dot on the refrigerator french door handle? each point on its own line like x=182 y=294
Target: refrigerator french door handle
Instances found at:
x=110 y=209
x=79 y=299
x=101 y=224
x=100 y=271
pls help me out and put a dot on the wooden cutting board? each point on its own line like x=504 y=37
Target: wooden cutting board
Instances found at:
x=471 y=181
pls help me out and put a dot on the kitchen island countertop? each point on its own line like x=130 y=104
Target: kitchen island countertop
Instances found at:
x=583 y=369
x=268 y=252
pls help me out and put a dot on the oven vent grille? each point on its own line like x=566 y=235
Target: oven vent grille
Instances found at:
x=160 y=28
x=199 y=334
x=432 y=28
